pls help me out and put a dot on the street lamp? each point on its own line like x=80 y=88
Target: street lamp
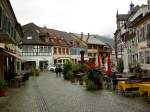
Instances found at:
x=82 y=56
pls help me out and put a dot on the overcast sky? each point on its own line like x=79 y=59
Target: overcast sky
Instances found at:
x=93 y=16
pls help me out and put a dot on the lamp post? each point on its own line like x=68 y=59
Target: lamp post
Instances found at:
x=82 y=56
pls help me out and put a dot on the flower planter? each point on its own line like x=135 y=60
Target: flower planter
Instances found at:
x=72 y=80
x=81 y=82
x=3 y=93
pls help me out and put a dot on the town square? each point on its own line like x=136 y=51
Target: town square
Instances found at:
x=74 y=56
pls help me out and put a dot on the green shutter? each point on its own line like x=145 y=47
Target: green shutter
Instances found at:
x=0 y=17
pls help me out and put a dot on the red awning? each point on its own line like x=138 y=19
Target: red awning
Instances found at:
x=109 y=71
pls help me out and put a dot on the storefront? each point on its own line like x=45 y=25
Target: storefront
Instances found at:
x=10 y=64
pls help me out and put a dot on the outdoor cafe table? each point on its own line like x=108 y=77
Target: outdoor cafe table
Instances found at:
x=18 y=80
x=121 y=79
x=144 y=88
x=78 y=76
x=123 y=85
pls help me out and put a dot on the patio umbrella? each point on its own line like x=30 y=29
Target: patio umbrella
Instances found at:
x=109 y=72
x=99 y=62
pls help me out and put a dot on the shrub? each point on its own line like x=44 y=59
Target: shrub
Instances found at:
x=76 y=68
x=83 y=68
x=32 y=72
x=37 y=72
x=3 y=84
x=85 y=77
x=138 y=69
x=91 y=85
x=67 y=67
x=70 y=75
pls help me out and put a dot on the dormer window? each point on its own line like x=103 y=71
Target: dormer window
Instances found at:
x=37 y=31
x=60 y=41
x=29 y=38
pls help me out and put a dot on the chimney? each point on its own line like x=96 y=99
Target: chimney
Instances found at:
x=81 y=35
x=148 y=3
x=88 y=37
x=131 y=7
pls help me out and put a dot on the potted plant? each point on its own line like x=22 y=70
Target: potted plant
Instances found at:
x=66 y=69
x=3 y=86
x=70 y=76
x=85 y=78
x=81 y=81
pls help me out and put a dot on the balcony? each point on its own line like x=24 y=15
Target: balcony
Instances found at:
x=7 y=30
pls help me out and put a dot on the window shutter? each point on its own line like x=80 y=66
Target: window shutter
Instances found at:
x=0 y=18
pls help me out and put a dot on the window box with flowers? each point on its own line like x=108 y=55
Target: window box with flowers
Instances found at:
x=3 y=87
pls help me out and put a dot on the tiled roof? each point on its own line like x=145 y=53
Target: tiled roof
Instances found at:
x=94 y=40
x=59 y=37
x=53 y=37
x=31 y=27
x=91 y=39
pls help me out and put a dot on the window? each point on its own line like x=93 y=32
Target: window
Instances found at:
x=49 y=49
x=67 y=51
x=141 y=57
x=45 y=49
x=71 y=43
x=60 y=41
x=142 y=35
x=41 y=49
x=63 y=50
x=147 y=57
x=59 y=61
x=148 y=32
x=95 y=46
x=29 y=38
x=52 y=40
x=25 y=49
x=89 y=54
x=89 y=46
x=59 y=50
x=138 y=35
x=30 y=48
x=55 y=50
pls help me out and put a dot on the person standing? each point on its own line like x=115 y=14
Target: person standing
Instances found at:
x=114 y=80
x=59 y=71
x=56 y=71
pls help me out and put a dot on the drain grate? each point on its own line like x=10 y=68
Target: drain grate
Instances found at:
x=41 y=102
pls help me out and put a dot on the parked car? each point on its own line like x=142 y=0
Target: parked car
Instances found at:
x=51 y=68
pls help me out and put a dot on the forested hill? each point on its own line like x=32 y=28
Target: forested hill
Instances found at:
x=105 y=39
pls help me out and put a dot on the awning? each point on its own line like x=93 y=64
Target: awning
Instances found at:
x=13 y=55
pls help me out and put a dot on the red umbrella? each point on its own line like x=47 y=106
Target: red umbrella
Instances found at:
x=109 y=72
x=99 y=62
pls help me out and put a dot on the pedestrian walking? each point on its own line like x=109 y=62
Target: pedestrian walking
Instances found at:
x=114 y=80
x=56 y=71
x=59 y=71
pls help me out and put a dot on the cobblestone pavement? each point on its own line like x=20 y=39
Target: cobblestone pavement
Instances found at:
x=47 y=93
